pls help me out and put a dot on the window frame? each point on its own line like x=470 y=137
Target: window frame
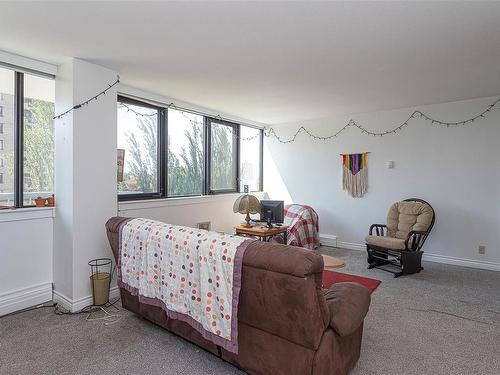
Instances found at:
x=19 y=139
x=162 y=172
x=161 y=157
x=208 y=156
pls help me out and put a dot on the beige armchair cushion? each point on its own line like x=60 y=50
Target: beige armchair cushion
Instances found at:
x=386 y=242
x=404 y=217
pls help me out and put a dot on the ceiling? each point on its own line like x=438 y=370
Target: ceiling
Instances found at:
x=274 y=62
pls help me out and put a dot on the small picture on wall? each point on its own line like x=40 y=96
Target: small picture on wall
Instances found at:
x=120 y=164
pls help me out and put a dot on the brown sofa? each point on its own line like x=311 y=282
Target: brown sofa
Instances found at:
x=287 y=323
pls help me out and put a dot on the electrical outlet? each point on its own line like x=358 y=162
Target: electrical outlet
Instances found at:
x=205 y=225
x=482 y=249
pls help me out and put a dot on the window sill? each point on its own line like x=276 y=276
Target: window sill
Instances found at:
x=29 y=213
x=181 y=201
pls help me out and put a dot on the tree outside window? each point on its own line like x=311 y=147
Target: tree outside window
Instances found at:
x=184 y=149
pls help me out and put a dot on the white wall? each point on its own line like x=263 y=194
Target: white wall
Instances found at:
x=63 y=221
x=94 y=176
x=85 y=176
x=217 y=209
x=457 y=170
x=25 y=258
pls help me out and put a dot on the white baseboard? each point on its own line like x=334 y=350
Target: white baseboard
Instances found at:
x=351 y=246
x=472 y=263
x=80 y=303
x=436 y=258
x=328 y=240
x=23 y=298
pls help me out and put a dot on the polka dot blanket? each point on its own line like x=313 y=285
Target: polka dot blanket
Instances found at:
x=193 y=274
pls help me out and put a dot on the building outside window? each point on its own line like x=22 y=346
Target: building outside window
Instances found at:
x=38 y=167
x=34 y=95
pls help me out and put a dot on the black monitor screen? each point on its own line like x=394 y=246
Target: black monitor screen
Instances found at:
x=272 y=210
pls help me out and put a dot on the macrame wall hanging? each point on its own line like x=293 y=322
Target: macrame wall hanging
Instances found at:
x=355 y=174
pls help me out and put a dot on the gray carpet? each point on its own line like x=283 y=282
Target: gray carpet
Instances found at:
x=445 y=320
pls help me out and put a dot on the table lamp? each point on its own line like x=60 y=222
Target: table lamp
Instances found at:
x=247 y=204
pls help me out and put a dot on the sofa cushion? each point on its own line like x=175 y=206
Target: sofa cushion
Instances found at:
x=404 y=217
x=387 y=242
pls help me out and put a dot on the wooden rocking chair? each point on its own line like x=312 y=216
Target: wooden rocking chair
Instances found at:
x=396 y=247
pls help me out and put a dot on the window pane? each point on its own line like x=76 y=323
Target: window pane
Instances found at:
x=38 y=138
x=7 y=137
x=138 y=136
x=185 y=153
x=223 y=157
x=250 y=158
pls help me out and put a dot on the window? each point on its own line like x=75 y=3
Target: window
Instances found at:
x=38 y=166
x=7 y=82
x=250 y=158
x=138 y=136
x=223 y=156
x=1 y=178
x=170 y=152
x=186 y=153
x=26 y=150
x=1 y=127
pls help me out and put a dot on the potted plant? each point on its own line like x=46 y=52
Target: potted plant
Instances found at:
x=40 y=202
x=51 y=201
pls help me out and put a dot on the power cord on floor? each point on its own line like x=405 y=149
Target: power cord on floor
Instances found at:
x=108 y=317
x=40 y=306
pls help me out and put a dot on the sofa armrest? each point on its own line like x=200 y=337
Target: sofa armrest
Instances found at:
x=348 y=305
x=113 y=226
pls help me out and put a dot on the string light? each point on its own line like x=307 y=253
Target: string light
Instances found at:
x=173 y=106
x=270 y=132
x=87 y=102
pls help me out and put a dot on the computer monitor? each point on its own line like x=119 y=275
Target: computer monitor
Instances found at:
x=271 y=211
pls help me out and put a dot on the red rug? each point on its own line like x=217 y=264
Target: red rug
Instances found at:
x=332 y=277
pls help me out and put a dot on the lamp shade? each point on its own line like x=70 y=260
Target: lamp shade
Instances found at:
x=246 y=204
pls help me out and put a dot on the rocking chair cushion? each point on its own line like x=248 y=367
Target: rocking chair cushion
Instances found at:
x=404 y=217
x=386 y=242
